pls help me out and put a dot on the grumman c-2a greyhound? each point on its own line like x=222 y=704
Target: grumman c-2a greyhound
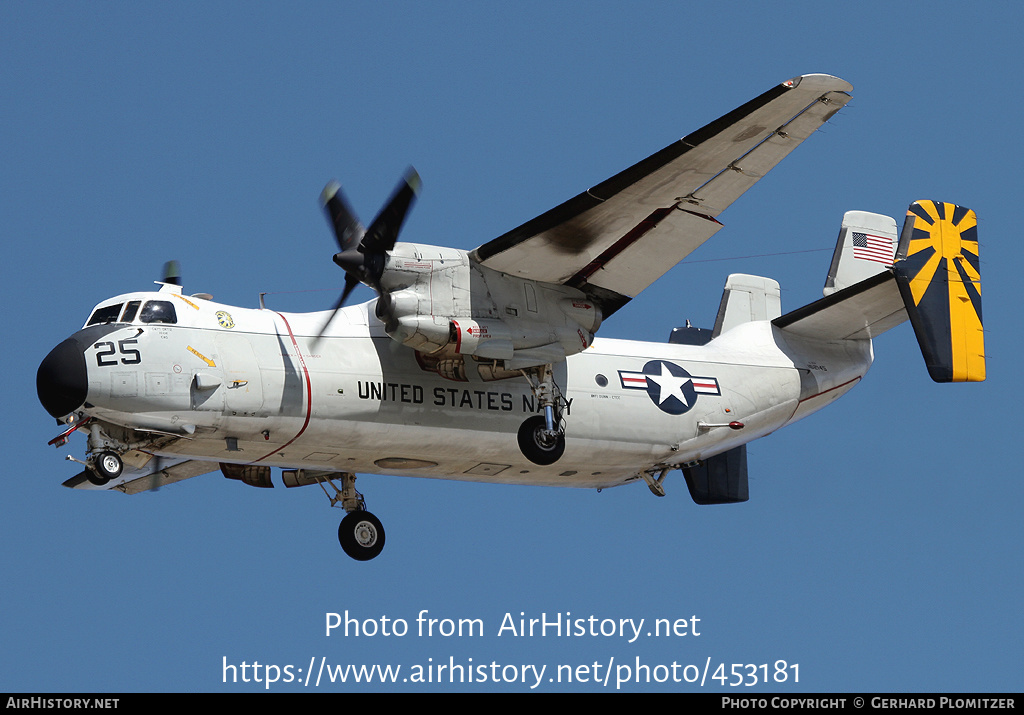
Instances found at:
x=483 y=365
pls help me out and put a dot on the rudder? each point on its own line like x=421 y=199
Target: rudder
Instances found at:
x=938 y=275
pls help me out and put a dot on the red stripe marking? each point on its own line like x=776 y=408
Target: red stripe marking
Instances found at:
x=69 y=430
x=825 y=392
x=309 y=390
x=811 y=397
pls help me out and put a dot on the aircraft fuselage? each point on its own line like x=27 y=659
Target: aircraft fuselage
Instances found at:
x=256 y=386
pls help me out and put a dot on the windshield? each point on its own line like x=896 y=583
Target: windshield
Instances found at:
x=105 y=314
x=158 y=311
x=109 y=313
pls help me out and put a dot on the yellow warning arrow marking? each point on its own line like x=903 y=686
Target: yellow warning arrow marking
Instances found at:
x=202 y=357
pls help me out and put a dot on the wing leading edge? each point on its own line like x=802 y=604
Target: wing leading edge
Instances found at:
x=620 y=236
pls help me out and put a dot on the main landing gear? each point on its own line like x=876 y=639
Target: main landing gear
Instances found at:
x=360 y=533
x=542 y=437
x=540 y=440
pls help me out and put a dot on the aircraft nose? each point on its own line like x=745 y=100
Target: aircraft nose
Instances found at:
x=62 y=381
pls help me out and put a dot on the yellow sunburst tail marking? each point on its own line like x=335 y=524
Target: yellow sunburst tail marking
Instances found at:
x=939 y=277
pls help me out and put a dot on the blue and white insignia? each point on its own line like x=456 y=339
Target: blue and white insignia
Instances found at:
x=669 y=386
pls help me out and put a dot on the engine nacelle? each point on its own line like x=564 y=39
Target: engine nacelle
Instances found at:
x=437 y=301
x=420 y=332
x=490 y=339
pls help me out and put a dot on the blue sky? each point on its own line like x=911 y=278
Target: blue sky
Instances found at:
x=880 y=549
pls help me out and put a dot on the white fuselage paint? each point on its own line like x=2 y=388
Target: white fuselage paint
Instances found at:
x=266 y=391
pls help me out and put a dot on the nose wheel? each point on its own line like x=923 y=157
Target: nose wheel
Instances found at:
x=106 y=466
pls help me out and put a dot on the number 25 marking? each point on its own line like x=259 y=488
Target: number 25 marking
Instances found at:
x=105 y=350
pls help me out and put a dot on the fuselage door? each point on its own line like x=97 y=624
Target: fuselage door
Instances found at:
x=243 y=393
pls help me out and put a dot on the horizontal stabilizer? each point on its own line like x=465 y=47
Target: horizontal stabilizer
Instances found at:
x=861 y=311
x=939 y=277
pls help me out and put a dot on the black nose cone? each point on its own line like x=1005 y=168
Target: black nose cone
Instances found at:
x=62 y=381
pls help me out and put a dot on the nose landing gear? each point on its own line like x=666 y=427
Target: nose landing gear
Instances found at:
x=103 y=467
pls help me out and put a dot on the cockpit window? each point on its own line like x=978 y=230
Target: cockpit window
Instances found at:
x=130 y=310
x=105 y=314
x=158 y=311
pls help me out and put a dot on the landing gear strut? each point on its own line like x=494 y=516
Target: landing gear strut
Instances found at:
x=102 y=462
x=360 y=533
x=541 y=437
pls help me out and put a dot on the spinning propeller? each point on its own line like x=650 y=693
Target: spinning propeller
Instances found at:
x=363 y=251
x=172 y=273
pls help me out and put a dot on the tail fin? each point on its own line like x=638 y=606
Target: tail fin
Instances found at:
x=934 y=281
x=745 y=299
x=866 y=247
x=939 y=277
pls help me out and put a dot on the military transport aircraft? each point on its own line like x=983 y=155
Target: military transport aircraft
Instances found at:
x=483 y=365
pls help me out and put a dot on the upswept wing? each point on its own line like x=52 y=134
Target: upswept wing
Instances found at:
x=620 y=236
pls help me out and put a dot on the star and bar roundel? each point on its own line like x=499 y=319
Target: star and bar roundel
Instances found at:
x=669 y=386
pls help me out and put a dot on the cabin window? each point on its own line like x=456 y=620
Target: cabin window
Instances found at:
x=531 y=297
x=105 y=314
x=130 y=311
x=158 y=311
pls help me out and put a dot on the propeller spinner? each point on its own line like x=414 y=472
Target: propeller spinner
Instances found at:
x=362 y=252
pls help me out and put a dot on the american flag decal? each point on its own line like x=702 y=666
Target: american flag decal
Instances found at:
x=869 y=247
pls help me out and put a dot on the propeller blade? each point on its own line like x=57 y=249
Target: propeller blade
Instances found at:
x=383 y=232
x=350 y=285
x=363 y=252
x=347 y=230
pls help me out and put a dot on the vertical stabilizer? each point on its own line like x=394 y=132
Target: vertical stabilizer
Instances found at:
x=939 y=278
x=866 y=247
x=745 y=299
